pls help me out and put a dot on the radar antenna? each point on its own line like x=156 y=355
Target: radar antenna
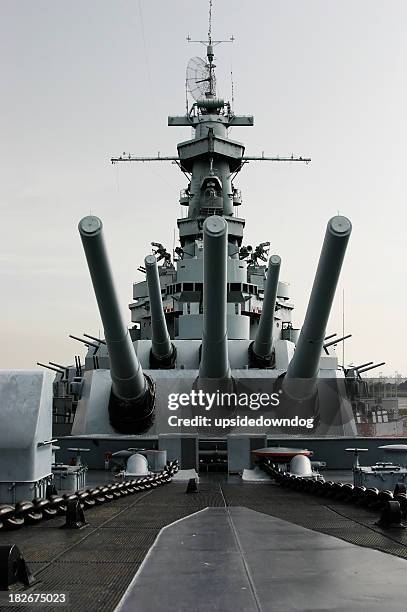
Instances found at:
x=200 y=78
x=198 y=71
x=201 y=84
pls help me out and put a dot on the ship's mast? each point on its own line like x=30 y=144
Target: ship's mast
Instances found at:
x=210 y=160
x=210 y=93
x=209 y=44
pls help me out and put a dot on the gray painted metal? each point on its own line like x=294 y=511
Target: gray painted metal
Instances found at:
x=160 y=338
x=214 y=358
x=127 y=376
x=305 y=362
x=212 y=299
x=263 y=343
x=256 y=562
x=25 y=434
x=331 y=450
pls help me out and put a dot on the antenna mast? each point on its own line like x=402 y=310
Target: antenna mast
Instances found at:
x=201 y=84
x=210 y=22
x=233 y=91
x=210 y=43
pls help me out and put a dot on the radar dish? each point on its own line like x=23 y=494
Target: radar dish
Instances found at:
x=198 y=78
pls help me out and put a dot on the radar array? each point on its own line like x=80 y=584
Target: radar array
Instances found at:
x=200 y=79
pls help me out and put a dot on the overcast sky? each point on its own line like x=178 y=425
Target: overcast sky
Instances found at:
x=82 y=81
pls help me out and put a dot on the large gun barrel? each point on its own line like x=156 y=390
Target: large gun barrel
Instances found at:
x=261 y=350
x=162 y=350
x=214 y=353
x=305 y=361
x=132 y=399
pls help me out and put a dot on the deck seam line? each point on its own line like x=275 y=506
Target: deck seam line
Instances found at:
x=241 y=552
x=150 y=551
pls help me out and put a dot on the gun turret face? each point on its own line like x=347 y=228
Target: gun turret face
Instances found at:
x=131 y=403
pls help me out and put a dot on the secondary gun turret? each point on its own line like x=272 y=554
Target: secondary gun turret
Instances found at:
x=261 y=350
x=305 y=362
x=214 y=353
x=163 y=352
x=131 y=404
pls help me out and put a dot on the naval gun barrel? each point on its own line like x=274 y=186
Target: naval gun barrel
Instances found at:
x=262 y=347
x=58 y=365
x=43 y=365
x=377 y=365
x=98 y=340
x=214 y=353
x=132 y=397
x=362 y=365
x=305 y=361
x=162 y=350
x=86 y=342
x=336 y=341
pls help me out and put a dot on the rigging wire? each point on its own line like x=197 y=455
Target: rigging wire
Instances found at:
x=233 y=89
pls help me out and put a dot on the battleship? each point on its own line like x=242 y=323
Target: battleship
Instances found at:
x=154 y=474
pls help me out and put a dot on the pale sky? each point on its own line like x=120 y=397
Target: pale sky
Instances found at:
x=82 y=81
